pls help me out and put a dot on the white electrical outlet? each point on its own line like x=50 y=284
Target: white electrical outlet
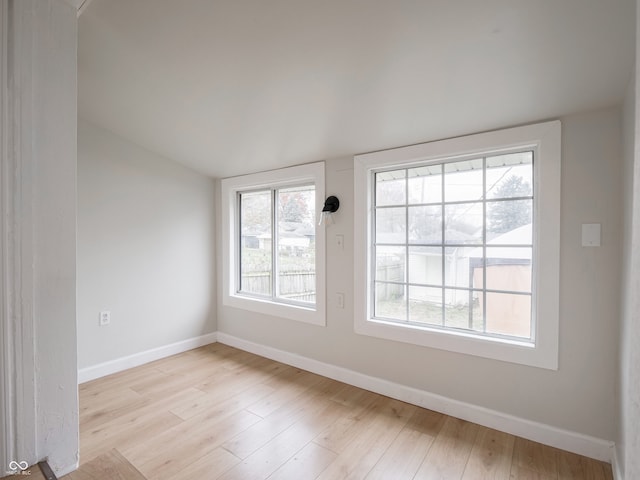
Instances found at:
x=340 y=300
x=105 y=318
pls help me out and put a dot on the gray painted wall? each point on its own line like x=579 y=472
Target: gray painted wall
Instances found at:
x=145 y=249
x=580 y=396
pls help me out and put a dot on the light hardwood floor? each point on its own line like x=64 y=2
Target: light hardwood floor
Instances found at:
x=220 y=413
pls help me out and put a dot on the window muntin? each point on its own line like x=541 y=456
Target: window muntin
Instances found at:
x=453 y=246
x=277 y=258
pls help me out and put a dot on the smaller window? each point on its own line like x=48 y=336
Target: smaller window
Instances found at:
x=277 y=258
x=274 y=248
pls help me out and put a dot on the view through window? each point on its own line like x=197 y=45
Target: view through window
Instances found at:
x=453 y=245
x=277 y=244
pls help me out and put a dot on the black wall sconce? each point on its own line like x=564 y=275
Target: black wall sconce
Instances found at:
x=331 y=205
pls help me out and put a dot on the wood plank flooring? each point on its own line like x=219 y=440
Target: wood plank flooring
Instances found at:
x=220 y=413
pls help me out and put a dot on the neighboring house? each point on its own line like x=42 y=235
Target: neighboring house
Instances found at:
x=294 y=238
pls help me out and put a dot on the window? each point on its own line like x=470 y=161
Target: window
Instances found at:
x=274 y=249
x=463 y=242
x=452 y=244
x=277 y=244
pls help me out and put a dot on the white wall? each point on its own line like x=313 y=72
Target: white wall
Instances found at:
x=145 y=249
x=54 y=149
x=38 y=254
x=628 y=439
x=580 y=396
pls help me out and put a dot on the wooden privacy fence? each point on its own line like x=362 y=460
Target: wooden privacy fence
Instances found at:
x=294 y=285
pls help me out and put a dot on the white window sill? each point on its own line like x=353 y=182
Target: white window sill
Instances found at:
x=298 y=313
x=508 y=350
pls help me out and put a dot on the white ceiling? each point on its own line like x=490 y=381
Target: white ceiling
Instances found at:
x=236 y=86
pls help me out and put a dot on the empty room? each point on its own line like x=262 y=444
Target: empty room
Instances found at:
x=304 y=239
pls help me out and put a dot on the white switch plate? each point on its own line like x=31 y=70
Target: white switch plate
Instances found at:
x=590 y=234
x=340 y=241
x=340 y=300
x=105 y=318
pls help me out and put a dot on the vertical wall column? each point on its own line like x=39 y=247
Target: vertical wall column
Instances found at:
x=38 y=378
x=17 y=387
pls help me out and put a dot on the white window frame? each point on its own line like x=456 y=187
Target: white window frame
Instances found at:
x=308 y=174
x=545 y=140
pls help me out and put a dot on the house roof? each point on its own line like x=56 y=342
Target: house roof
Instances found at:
x=518 y=236
x=235 y=86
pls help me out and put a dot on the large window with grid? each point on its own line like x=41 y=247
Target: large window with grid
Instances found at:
x=453 y=244
x=462 y=244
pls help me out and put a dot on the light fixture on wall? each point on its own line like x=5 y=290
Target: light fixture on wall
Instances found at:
x=331 y=205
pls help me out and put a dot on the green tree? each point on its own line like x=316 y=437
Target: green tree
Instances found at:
x=293 y=206
x=508 y=215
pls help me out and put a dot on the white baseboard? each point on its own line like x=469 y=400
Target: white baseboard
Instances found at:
x=119 y=364
x=615 y=466
x=556 y=437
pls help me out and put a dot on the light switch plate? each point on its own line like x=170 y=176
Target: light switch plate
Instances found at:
x=590 y=234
